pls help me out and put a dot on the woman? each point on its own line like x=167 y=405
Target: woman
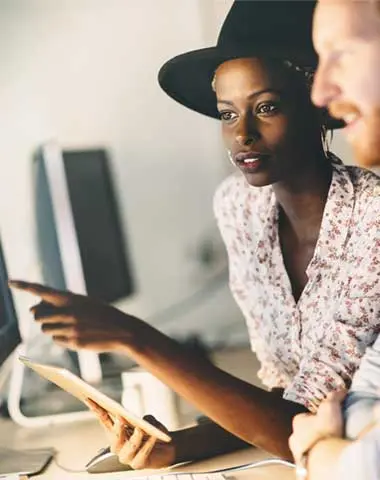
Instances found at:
x=289 y=220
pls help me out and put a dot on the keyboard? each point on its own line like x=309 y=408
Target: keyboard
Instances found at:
x=183 y=476
x=216 y=475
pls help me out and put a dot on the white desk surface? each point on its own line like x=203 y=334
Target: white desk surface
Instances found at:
x=78 y=442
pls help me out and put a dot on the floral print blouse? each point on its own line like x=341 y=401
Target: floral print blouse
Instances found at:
x=313 y=346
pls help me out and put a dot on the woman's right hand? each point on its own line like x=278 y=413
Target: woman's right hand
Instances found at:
x=77 y=321
x=132 y=446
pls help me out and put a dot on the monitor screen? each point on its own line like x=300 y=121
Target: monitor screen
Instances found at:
x=9 y=332
x=84 y=220
x=102 y=249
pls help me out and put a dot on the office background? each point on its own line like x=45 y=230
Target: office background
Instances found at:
x=84 y=72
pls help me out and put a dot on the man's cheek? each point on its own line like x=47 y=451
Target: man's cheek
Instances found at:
x=367 y=87
x=368 y=95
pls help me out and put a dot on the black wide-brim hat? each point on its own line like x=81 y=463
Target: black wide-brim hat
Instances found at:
x=278 y=29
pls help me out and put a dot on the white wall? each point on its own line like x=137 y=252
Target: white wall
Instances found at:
x=84 y=72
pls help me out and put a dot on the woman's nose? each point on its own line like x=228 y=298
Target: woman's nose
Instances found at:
x=246 y=133
x=245 y=140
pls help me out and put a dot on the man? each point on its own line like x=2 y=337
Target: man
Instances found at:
x=346 y=35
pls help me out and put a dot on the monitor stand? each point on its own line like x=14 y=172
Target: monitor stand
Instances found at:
x=24 y=462
x=14 y=402
x=56 y=408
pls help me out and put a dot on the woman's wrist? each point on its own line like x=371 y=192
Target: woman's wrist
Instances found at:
x=191 y=443
x=129 y=332
x=179 y=439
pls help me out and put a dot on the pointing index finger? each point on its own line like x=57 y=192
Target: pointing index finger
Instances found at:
x=55 y=297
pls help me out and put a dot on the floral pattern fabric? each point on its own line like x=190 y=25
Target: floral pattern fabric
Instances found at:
x=313 y=346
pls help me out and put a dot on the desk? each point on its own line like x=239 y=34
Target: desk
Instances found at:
x=78 y=442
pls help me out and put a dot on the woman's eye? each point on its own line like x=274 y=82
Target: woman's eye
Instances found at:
x=227 y=116
x=267 y=109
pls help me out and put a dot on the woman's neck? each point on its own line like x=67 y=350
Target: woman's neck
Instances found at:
x=302 y=200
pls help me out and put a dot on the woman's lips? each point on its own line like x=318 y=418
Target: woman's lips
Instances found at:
x=250 y=161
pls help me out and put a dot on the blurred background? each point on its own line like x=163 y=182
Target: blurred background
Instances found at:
x=84 y=73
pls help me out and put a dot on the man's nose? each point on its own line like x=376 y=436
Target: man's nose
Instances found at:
x=325 y=88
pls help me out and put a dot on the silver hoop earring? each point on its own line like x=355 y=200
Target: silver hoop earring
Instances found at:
x=231 y=158
x=325 y=143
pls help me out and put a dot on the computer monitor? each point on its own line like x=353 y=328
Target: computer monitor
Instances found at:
x=12 y=461
x=9 y=331
x=82 y=249
x=80 y=237
x=79 y=234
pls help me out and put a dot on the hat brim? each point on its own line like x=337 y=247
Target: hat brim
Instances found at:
x=187 y=78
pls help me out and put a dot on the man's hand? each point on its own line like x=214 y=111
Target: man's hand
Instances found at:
x=132 y=446
x=76 y=321
x=308 y=428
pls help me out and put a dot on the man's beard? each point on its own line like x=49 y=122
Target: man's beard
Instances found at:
x=366 y=144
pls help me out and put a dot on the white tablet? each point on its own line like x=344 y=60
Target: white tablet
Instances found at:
x=82 y=390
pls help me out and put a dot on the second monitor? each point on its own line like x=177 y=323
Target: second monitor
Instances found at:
x=80 y=236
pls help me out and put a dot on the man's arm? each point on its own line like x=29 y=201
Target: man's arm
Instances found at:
x=320 y=437
x=323 y=460
x=347 y=460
